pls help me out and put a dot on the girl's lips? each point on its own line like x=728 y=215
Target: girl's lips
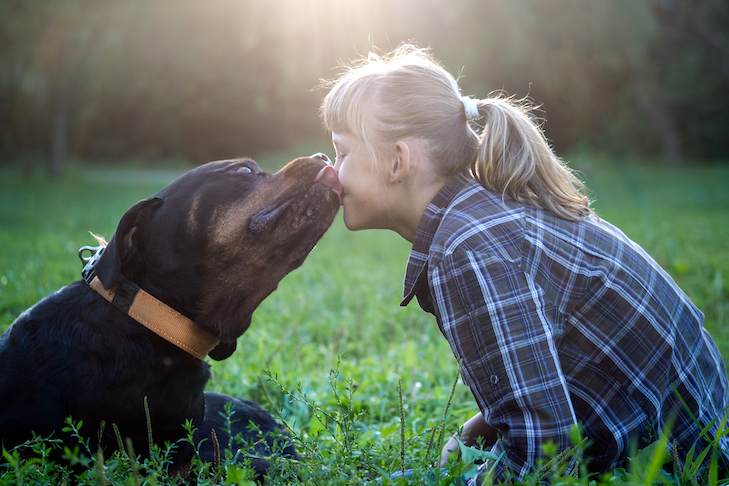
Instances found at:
x=328 y=176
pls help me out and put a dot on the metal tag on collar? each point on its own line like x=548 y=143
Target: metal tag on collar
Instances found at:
x=89 y=270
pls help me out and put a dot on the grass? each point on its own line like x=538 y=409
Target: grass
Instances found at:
x=350 y=372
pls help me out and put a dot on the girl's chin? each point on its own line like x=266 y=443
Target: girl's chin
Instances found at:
x=360 y=220
x=351 y=222
x=351 y=225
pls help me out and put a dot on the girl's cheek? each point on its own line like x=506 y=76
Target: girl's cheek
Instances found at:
x=338 y=169
x=342 y=173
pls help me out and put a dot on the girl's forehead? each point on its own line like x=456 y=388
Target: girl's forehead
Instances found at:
x=343 y=138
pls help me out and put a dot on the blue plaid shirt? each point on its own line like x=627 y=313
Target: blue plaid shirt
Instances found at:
x=561 y=323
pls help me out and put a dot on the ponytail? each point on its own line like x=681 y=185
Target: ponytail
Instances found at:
x=515 y=159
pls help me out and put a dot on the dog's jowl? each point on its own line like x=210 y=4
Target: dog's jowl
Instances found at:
x=179 y=280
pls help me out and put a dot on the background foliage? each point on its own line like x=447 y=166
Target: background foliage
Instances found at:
x=203 y=80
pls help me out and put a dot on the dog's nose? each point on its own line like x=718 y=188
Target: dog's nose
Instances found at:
x=323 y=157
x=328 y=176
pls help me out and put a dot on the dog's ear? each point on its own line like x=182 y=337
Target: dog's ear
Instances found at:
x=223 y=350
x=124 y=243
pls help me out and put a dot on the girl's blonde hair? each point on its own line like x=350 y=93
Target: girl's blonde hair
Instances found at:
x=407 y=93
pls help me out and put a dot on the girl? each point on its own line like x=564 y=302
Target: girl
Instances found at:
x=557 y=317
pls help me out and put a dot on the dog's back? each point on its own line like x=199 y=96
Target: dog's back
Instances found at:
x=71 y=355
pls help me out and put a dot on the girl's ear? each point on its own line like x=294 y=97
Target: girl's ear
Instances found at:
x=401 y=164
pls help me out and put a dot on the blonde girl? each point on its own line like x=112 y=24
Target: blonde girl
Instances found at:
x=558 y=318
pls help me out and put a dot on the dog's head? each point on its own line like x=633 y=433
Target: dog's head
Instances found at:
x=217 y=241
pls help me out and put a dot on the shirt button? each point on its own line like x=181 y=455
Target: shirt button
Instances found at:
x=494 y=380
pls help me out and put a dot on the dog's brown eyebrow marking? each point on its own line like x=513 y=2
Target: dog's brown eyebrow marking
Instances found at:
x=192 y=221
x=228 y=223
x=229 y=220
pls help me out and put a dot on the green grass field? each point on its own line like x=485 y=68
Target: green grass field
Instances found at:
x=340 y=310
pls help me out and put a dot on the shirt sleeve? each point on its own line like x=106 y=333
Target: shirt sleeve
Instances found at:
x=496 y=321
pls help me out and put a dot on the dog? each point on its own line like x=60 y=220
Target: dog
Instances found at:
x=179 y=280
x=251 y=435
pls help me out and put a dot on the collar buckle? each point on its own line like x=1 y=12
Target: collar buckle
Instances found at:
x=89 y=270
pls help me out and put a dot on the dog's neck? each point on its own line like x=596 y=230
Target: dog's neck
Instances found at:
x=153 y=314
x=157 y=317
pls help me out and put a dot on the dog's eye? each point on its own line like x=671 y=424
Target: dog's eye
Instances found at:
x=239 y=169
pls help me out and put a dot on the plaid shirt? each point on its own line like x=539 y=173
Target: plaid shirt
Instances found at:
x=560 y=323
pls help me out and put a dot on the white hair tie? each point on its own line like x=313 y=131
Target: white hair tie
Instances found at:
x=471 y=107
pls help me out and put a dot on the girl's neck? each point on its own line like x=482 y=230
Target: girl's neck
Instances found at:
x=411 y=197
x=413 y=185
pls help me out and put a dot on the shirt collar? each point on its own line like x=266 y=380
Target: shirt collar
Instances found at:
x=429 y=224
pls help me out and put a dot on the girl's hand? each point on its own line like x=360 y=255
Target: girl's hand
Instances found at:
x=474 y=428
x=450 y=447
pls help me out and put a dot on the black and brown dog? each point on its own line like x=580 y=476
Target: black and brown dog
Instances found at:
x=204 y=251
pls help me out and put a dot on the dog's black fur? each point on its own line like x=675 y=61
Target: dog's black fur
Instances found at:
x=252 y=435
x=212 y=245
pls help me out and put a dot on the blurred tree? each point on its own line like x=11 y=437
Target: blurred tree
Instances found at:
x=224 y=78
x=181 y=81
x=691 y=54
x=60 y=62
x=23 y=88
